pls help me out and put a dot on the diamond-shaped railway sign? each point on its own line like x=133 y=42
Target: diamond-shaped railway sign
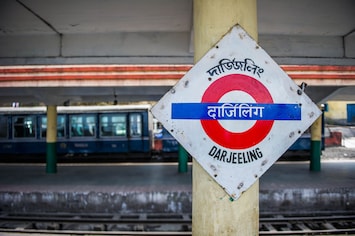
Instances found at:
x=236 y=111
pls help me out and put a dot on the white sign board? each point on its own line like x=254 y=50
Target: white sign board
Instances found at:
x=236 y=111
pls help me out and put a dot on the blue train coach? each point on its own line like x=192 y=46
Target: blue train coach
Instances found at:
x=80 y=130
x=86 y=130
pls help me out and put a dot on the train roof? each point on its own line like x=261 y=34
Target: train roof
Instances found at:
x=73 y=109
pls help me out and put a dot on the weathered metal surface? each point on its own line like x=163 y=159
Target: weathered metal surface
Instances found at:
x=236 y=111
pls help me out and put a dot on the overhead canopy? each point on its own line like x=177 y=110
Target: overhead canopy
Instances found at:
x=160 y=31
x=150 y=32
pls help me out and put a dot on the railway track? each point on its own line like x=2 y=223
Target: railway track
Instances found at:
x=165 y=224
x=317 y=224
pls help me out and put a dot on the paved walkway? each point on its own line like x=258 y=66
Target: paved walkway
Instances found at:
x=159 y=187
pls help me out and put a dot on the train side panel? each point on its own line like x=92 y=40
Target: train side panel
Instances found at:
x=94 y=130
x=79 y=131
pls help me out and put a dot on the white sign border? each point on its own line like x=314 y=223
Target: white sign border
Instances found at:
x=224 y=173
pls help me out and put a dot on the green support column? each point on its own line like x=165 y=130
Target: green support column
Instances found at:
x=316 y=142
x=183 y=158
x=51 y=164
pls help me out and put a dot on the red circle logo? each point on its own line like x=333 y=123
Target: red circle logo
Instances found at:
x=237 y=140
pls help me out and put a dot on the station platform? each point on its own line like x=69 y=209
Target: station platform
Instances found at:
x=159 y=188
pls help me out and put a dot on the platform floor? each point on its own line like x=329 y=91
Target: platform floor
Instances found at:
x=156 y=187
x=128 y=177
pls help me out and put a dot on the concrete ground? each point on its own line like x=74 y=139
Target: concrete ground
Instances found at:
x=156 y=187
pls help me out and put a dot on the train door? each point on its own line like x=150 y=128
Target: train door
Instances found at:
x=113 y=132
x=25 y=134
x=82 y=133
x=135 y=136
x=5 y=142
x=4 y=127
x=350 y=108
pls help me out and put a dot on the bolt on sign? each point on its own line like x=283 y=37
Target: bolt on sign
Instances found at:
x=236 y=111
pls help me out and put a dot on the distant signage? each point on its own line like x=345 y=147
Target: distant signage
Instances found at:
x=236 y=111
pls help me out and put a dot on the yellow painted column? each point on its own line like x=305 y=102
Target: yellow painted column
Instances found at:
x=51 y=164
x=316 y=145
x=213 y=212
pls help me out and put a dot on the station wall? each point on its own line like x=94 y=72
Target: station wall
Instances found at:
x=340 y=113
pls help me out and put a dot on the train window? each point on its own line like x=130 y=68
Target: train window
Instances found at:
x=135 y=125
x=82 y=125
x=60 y=126
x=24 y=126
x=3 y=127
x=112 y=125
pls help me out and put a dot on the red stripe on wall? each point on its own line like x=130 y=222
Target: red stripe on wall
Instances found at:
x=159 y=72
x=92 y=69
x=304 y=68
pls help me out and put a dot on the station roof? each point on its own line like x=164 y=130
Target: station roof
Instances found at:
x=93 y=33
x=161 y=31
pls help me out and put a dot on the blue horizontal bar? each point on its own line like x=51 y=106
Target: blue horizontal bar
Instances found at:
x=235 y=111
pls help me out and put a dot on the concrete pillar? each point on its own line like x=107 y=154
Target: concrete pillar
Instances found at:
x=213 y=212
x=316 y=145
x=51 y=166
